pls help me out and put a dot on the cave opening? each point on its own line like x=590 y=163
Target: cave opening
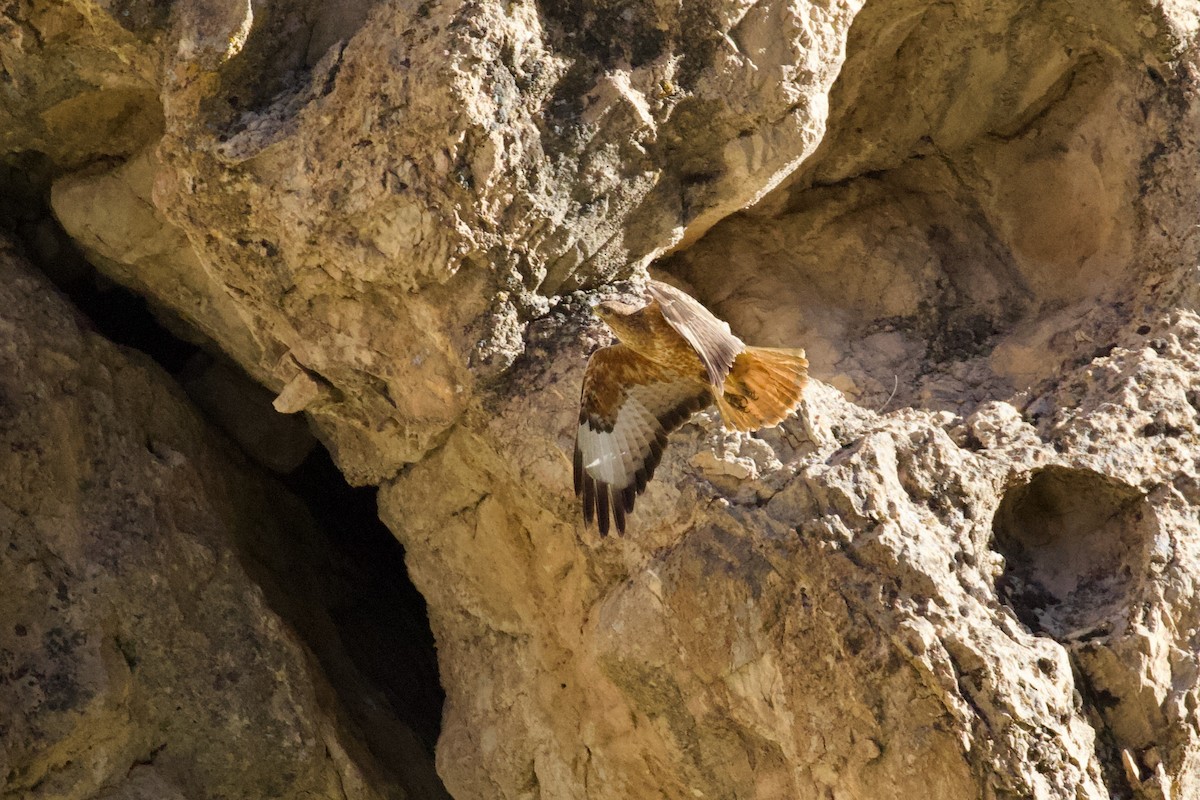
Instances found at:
x=1075 y=544
x=342 y=585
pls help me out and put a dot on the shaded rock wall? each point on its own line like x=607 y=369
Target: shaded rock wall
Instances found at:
x=966 y=569
x=1003 y=201
x=137 y=655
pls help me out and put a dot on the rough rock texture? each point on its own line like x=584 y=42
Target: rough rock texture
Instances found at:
x=137 y=657
x=967 y=570
x=457 y=163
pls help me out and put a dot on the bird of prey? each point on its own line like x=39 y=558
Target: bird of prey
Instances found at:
x=673 y=359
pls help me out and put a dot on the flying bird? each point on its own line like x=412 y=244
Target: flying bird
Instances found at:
x=673 y=359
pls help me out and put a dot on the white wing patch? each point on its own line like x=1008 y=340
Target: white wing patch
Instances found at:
x=613 y=457
x=613 y=466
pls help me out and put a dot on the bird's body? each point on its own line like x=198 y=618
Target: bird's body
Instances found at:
x=674 y=358
x=647 y=333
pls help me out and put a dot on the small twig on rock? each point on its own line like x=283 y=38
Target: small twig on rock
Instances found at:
x=895 y=386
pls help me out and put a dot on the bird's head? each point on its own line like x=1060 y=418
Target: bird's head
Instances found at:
x=611 y=310
x=623 y=318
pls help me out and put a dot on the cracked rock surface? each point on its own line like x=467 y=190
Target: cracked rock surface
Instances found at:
x=966 y=569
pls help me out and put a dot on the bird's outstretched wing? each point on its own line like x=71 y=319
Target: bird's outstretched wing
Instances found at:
x=628 y=406
x=711 y=337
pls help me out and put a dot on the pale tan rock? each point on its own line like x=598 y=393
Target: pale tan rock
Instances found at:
x=866 y=632
x=298 y=395
x=111 y=216
x=458 y=163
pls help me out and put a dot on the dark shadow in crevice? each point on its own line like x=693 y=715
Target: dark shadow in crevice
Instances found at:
x=383 y=623
x=1097 y=704
x=114 y=312
x=1076 y=545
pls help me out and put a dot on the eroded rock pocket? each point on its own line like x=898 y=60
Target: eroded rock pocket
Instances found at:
x=1075 y=543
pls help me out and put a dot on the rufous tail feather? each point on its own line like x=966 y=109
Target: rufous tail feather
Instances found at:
x=763 y=388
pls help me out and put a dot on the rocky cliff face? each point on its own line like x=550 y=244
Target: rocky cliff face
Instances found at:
x=142 y=653
x=967 y=569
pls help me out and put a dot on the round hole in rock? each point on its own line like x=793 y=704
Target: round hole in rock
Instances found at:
x=1075 y=543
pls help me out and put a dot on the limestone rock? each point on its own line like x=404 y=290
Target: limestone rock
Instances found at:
x=963 y=598
x=80 y=79
x=112 y=218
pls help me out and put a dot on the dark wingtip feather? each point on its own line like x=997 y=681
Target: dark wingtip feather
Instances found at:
x=602 y=508
x=589 y=501
x=629 y=494
x=652 y=460
x=618 y=508
x=578 y=470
